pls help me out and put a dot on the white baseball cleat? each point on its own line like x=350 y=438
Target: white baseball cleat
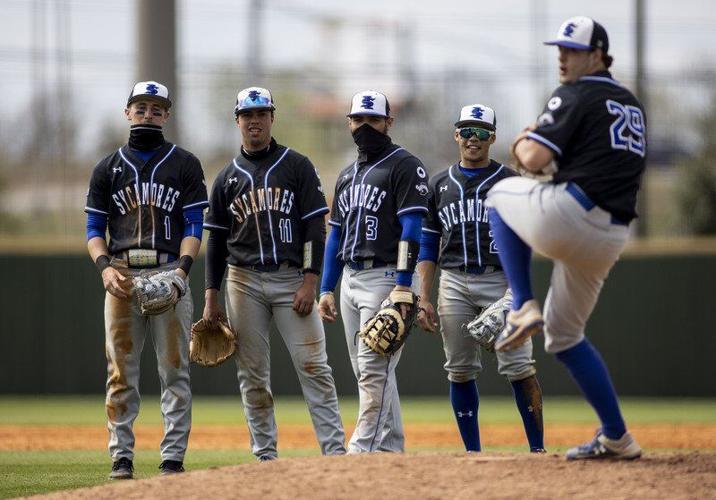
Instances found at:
x=521 y=325
x=601 y=447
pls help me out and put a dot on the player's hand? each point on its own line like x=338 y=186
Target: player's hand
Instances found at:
x=327 y=308
x=116 y=284
x=426 y=316
x=305 y=295
x=404 y=308
x=213 y=312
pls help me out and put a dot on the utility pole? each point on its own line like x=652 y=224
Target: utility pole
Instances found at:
x=254 y=57
x=641 y=94
x=156 y=51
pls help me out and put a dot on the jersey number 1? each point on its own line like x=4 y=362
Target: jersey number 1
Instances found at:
x=628 y=118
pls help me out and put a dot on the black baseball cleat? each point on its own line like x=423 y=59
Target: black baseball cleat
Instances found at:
x=168 y=467
x=601 y=447
x=266 y=458
x=122 y=468
x=538 y=450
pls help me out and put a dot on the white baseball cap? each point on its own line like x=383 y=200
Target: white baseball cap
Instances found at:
x=150 y=90
x=253 y=98
x=477 y=114
x=582 y=33
x=369 y=102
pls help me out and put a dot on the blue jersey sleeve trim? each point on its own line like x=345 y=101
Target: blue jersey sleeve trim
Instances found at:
x=94 y=210
x=204 y=203
x=214 y=226
x=193 y=222
x=333 y=223
x=545 y=142
x=96 y=226
x=331 y=262
x=429 y=246
x=322 y=210
x=431 y=231
x=411 y=209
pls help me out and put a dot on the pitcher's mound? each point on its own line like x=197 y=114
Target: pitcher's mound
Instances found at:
x=389 y=476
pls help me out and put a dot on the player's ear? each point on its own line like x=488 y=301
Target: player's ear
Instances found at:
x=126 y=113
x=493 y=138
x=389 y=122
x=456 y=135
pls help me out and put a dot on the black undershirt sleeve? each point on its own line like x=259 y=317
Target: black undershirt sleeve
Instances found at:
x=314 y=229
x=216 y=254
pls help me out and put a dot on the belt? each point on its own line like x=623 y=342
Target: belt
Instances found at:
x=588 y=204
x=144 y=258
x=362 y=265
x=478 y=269
x=272 y=268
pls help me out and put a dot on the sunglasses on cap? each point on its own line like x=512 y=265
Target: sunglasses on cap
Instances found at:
x=481 y=133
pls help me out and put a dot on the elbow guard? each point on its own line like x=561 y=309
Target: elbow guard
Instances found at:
x=408 y=251
x=313 y=256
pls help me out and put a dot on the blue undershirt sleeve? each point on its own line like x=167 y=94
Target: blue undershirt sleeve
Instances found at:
x=194 y=222
x=96 y=225
x=331 y=262
x=412 y=223
x=429 y=246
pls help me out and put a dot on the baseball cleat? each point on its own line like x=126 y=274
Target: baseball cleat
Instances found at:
x=122 y=468
x=601 y=447
x=266 y=458
x=168 y=467
x=521 y=325
x=492 y=319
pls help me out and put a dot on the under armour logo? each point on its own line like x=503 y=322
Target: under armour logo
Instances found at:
x=152 y=89
x=233 y=180
x=461 y=414
x=569 y=30
x=254 y=94
x=367 y=102
x=443 y=188
x=477 y=112
x=390 y=274
x=116 y=169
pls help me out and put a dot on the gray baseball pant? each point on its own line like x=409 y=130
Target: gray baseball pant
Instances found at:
x=125 y=332
x=253 y=300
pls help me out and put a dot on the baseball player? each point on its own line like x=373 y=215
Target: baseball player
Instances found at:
x=594 y=130
x=375 y=221
x=471 y=278
x=266 y=218
x=150 y=194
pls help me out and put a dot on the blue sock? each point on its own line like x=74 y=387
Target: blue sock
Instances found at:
x=465 y=401
x=590 y=372
x=528 y=396
x=515 y=257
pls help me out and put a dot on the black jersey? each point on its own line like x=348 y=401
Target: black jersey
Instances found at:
x=369 y=198
x=144 y=201
x=264 y=203
x=597 y=130
x=457 y=213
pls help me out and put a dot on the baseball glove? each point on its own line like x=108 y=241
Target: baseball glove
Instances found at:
x=386 y=331
x=211 y=345
x=487 y=326
x=158 y=292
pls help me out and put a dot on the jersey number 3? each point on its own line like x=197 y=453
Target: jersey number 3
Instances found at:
x=628 y=118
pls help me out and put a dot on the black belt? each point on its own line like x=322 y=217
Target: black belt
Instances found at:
x=588 y=204
x=272 y=268
x=362 y=265
x=144 y=258
x=478 y=269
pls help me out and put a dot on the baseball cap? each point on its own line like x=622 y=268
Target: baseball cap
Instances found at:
x=369 y=102
x=150 y=90
x=477 y=114
x=582 y=33
x=253 y=98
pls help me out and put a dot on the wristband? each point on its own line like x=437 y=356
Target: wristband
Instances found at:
x=102 y=262
x=185 y=262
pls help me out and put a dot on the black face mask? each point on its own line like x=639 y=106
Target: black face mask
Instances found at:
x=369 y=140
x=145 y=137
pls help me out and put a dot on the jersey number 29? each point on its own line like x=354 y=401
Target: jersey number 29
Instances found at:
x=628 y=118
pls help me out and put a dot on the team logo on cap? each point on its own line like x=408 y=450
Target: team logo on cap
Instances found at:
x=367 y=102
x=152 y=89
x=569 y=30
x=477 y=112
x=254 y=94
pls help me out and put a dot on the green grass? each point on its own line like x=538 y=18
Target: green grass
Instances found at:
x=32 y=472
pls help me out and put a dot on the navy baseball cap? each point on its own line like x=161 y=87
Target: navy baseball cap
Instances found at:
x=478 y=115
x=581 y=33
x=253 y=98
x=150 y=90
x=369 y=102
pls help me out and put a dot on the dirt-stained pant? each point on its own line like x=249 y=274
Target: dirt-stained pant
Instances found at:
x=253 y=300
x=461 y=297
x=125 y=332
x=380 y=424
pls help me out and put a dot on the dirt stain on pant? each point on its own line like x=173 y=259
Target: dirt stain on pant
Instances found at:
x=173 y=337
x=120 y=338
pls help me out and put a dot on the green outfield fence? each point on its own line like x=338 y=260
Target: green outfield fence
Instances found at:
x=655 y=325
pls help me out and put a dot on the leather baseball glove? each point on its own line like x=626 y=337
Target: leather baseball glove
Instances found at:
x=387 y=331
x=211 y=345
x=158 y=292
x=487 y=326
